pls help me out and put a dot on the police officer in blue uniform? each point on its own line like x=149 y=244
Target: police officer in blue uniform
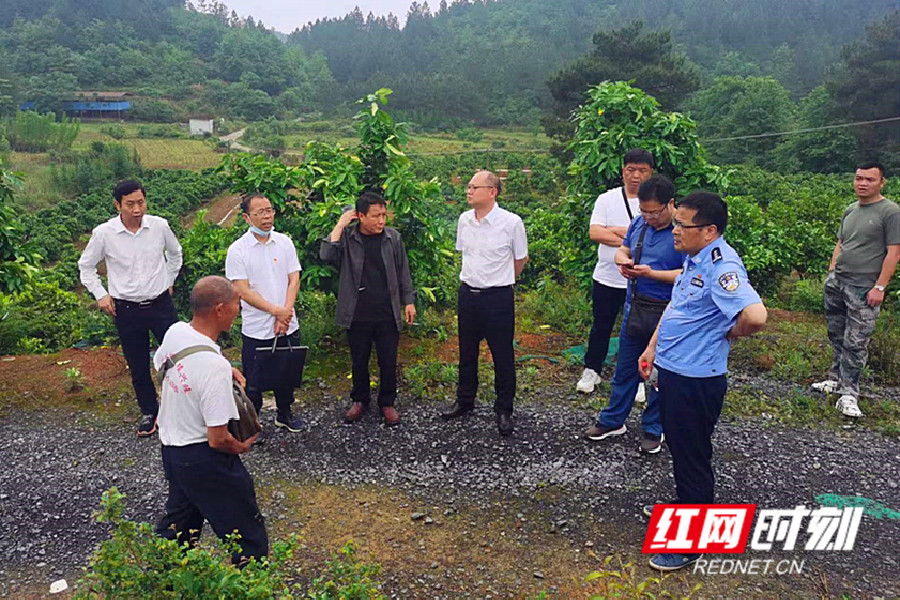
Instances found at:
x=712 y=305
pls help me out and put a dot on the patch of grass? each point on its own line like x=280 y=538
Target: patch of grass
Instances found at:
x=38 y=191
x=792 y=347
x=797 y=408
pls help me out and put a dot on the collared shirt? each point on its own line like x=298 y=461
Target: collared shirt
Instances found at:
x=609 y=211
x=707 y=297
x=266 y=267
x=489 y=248
x=139 y=266
x=196 y=392
x=658 y=252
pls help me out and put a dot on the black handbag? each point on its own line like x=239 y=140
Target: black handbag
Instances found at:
x=279 y=366
x=247 y=425
x=645 y=312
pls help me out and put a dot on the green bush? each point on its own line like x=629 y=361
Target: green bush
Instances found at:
x=564 y=306
x=315 y=311
x=802 y=294
x=45 y=318
x=30 y=131
x=136 y=563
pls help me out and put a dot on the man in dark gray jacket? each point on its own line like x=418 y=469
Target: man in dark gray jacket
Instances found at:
x=374 y=286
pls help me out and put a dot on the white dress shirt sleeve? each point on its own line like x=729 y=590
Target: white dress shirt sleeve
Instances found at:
x=293 y=264
x=87 y=265
x=459 y=226
x=173 y=254
x=519 y=240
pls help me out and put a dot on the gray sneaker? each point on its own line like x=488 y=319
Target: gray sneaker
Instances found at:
x=652 y=444
x=601 y=432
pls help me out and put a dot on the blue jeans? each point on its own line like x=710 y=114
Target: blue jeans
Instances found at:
x=625 y=383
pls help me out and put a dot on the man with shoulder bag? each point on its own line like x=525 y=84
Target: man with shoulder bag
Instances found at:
x=648 y=259
x=203 y=429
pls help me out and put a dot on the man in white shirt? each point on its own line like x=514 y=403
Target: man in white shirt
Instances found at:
x=613 y=212
x=207 y=479
x=265 y=270
x=142 y=260
x=494 y=252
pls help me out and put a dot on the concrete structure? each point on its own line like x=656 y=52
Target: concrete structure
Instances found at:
x=201 y=126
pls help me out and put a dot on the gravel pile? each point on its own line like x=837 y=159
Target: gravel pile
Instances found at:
x=54 y=472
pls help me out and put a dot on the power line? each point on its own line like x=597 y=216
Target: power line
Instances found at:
x=807 y=130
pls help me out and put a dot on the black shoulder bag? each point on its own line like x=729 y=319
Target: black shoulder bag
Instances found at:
x=627 y=206
x=645 y=312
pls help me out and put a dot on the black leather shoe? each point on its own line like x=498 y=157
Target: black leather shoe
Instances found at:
x=504 y=424
x=457 y=410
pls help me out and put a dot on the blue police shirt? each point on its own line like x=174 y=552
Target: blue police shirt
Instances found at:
x=707 y=297
x=659 y=252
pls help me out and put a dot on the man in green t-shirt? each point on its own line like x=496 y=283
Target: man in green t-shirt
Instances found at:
x=864 y=260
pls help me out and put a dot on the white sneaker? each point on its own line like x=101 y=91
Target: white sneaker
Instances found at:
x=829 y=386
x=588 y=380
x=641 y=396
x=847 y=404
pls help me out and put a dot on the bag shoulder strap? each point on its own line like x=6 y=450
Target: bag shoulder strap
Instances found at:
x=638 y=249
x=627 y=206
x=178 y=356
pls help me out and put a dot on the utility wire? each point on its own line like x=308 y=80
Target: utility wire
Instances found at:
x=807 y=130
x=295 y=151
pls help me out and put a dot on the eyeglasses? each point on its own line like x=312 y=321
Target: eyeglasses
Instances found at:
x=264 y=212
x=471 y=187
x=653 y=213
x=679 y=224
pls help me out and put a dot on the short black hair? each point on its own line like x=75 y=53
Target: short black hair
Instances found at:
x=711 y=209
x=658 y=188
x=246 y=199
x=367 y=199
x=639 y=156
x=872 y=165
x=125 y=187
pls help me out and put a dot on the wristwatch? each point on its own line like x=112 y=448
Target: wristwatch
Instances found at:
x=880 y=288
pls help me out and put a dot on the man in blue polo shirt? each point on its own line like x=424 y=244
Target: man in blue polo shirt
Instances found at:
x=712 y=305
x=650 y=262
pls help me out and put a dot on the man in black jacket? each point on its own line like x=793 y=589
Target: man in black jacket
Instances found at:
x=375 y=296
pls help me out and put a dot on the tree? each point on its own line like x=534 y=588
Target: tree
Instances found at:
x=864 y=87
x=629 y=53
x=826 y=151
x=16 y=261
x=743 y=106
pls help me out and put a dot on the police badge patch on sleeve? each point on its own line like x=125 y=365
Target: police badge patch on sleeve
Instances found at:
x=730 y=281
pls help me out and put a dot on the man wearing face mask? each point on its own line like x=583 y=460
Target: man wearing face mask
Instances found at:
x=264 y=267
x=375 y=297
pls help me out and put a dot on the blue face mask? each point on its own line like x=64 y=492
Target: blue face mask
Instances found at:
x=260 y=232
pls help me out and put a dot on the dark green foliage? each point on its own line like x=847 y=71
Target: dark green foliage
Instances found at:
x=864 y=86
x=77 y=173
x=17 y=259
x=32 y=132
x=136 y=563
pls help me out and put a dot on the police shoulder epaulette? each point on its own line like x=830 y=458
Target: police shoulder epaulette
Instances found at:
x=716 y=255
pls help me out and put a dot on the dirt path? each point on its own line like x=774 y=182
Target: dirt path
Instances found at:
x=501 y=518
x=221 y=210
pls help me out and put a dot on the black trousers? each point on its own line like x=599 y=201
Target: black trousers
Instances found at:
x=386 y=338
x=487 y=314
x=284 y=397
x=606 y=302
x=134 y=323
x=689 y=409
x=208 y=484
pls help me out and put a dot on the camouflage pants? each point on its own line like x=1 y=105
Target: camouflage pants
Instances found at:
x=850 y=325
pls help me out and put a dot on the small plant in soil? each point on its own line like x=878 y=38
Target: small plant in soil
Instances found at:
x=74 y=383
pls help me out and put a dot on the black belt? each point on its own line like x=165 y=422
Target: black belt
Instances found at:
x=141 y=305
x=476 y=290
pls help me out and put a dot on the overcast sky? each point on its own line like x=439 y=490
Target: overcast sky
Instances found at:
x=287 y=15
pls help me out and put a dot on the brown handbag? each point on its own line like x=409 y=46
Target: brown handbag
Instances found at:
x=247 y=425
